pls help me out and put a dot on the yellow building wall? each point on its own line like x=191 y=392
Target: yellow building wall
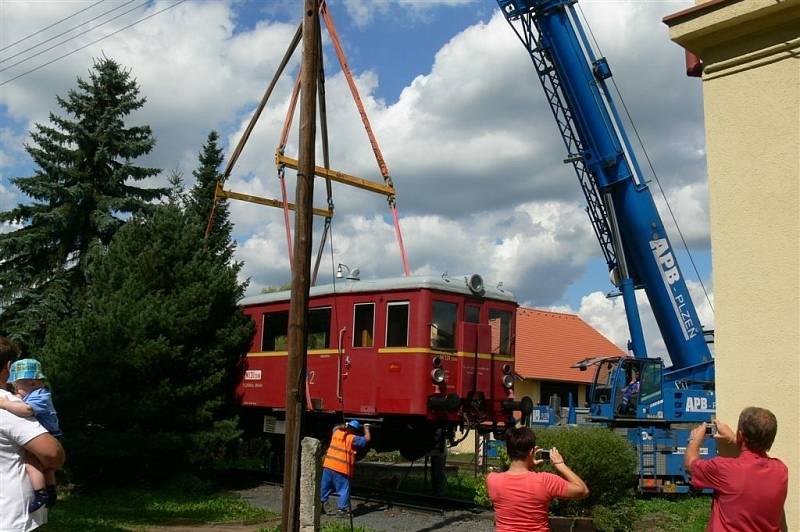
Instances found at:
x=530 y=387
x=751 y=94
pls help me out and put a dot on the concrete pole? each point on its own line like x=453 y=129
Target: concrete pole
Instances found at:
x=310 y=474
x=301 y=269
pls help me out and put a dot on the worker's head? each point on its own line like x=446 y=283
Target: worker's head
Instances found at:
x=757 y=429
x=354 y=425
x=520 y=442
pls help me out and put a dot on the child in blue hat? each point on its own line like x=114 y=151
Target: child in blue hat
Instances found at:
x=28 y=380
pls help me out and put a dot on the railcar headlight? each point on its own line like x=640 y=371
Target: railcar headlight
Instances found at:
x=506 y=369
x=508 y=381
x=437 y=375
x=436 y=361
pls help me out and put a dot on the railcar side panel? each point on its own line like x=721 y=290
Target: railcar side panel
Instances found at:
x=415 y=354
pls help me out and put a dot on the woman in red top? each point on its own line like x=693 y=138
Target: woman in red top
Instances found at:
x=521 y=496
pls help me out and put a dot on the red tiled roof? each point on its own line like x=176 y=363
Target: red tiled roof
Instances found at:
x=548 y=343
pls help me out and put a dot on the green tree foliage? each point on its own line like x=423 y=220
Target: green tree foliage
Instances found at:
x=200 y=201
x=278 y=288
x=602 y=458
x=144 y=374
x=79 y=196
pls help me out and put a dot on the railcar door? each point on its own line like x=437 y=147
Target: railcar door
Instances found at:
x=475 y=354
x=359 y=360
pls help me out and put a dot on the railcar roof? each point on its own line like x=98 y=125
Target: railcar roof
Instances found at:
x=456 y=284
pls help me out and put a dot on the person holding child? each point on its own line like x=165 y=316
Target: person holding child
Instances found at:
x=20 y=436
x=28 y=380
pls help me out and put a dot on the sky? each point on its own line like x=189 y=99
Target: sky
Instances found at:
x=457 y=109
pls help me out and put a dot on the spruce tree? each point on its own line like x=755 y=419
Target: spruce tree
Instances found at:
x=144 y=371
x=200 y=199
x=80 y=194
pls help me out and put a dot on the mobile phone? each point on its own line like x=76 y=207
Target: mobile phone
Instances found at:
x=543 y=454
x=711 y=429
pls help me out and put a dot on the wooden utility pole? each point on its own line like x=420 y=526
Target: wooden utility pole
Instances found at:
x=301 y=268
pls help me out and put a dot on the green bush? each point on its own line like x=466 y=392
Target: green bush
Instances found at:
x=601 y=457
x=482 y=493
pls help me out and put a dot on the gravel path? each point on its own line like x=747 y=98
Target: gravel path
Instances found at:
x=376 y=516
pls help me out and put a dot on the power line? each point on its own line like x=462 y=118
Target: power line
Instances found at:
x=93 y=42
x=69 y=30
x=56 y=23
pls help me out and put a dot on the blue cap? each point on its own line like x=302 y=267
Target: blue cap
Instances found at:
x=27 y=368
x=354 y=424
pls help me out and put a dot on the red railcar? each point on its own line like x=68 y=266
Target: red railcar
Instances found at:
x=400 y=353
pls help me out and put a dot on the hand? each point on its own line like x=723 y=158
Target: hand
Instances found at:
x=698 y=433
x=725 y=433
x=555 y=457
x=3 y=404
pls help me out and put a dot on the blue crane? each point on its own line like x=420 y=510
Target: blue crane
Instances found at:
x=656 y=412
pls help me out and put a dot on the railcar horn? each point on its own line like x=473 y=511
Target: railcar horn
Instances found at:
x=475 y=284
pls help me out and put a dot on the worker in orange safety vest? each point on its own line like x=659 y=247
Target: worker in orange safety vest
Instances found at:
x=340 y=463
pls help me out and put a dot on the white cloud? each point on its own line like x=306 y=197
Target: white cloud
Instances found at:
x=11 y=147
x=608 y=317
x=196 y=73
x=471 y=145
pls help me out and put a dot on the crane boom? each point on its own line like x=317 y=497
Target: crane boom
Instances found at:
x=636 y=395
x=620 y=205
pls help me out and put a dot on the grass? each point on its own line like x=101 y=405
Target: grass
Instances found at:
x=186 y=503
x=192 y=502
x=460 y=486
x=685 y=514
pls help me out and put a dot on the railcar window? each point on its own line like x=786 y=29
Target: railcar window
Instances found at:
x=276 y=327
x=443 y=325
x=472 y=314
x=319 y=328
x=363 y=324
x=397 y=324
x=500 y=321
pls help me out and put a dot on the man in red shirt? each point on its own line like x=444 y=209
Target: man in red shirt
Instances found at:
x=749 y=489
x=521 y=496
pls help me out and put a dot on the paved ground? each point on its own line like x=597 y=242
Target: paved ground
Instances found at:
x=377 y=517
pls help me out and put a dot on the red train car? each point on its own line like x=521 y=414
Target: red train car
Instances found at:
x=417 y=357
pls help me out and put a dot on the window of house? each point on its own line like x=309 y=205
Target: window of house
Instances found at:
x=319 y=328
x=397 y=324
x=472 y=314
x=443 y=325
x=363 y=324
x=276 y=330
x=500 y=322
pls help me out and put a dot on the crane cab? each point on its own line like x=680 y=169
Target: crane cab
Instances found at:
x=625 y=388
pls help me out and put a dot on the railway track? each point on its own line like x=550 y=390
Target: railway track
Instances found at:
x=401 y=499
x=413 y=501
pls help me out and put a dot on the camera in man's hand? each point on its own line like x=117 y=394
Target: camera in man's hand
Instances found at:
x=542 y=454
x=711 y=429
